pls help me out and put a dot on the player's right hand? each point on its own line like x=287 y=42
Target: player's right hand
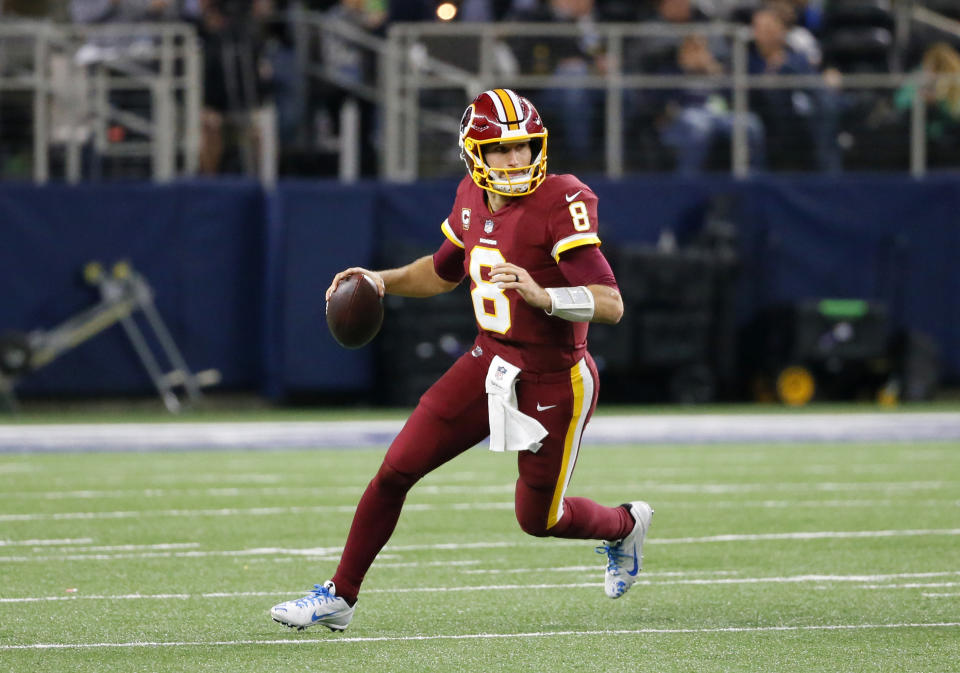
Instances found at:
x=352 y=270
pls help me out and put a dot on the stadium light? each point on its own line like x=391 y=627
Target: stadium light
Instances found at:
x=446 y=11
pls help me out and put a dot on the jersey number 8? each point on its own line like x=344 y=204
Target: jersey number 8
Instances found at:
x=486 y=294
x=581 y=218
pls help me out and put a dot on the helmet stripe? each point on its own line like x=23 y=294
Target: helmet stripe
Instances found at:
x=511 y=107
x=497 y=105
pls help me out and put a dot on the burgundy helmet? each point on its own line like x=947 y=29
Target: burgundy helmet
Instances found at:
x=500 y=115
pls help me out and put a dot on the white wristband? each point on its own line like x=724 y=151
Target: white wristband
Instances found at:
x=575 y=304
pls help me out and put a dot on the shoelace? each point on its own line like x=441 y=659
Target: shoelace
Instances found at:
x=320 y=594
x=613 y=553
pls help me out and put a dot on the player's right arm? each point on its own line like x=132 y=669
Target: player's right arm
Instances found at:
x=416 y=279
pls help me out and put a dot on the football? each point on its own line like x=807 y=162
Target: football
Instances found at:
x=355 y=311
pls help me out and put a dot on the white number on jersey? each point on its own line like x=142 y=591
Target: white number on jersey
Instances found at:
x=499 y=320
x=581 y=218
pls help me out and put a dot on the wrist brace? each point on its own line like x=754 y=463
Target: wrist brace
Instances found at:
x=575 y=304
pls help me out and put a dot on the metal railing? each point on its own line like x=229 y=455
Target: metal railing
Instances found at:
x=334 y=52
x=130 y=92
x=78 y=85
x=413 y=82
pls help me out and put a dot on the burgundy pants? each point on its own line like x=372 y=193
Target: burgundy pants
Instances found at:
x=451 y=418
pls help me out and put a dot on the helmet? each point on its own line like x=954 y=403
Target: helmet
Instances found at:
x=500 y=115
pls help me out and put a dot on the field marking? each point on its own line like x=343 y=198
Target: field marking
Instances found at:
x=484 y=636
x=337 y=509
x=236 y=492
x=793 y=504
x=673 y=581
x=805 y=487
x=912 y=585
x=614 y=429
x=940 y=595
x=891 y=487
x=41 y=543
x=327 y=552
x=580 y=568
x=812 y=535
x=241 y=511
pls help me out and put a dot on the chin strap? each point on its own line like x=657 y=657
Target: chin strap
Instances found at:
x=575 y=304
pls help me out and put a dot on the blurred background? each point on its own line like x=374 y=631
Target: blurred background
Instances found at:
x=179 y=179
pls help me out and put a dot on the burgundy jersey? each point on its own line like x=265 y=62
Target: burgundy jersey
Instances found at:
x=532 y=232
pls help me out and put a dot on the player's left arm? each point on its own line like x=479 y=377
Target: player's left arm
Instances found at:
x=593 y=294
x=608 y=306
x=606 y=300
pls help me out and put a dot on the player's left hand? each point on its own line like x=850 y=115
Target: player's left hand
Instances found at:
x=512 y=277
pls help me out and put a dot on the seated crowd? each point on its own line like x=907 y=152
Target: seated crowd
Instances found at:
x=249 y=60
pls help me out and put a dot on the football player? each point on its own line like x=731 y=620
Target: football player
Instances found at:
x=527 y=240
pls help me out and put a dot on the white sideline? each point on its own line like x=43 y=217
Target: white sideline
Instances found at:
x=336 y=640
x=641 y=429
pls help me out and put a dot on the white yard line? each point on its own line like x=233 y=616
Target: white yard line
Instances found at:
x=794 y=504
x=714 y=581
x=887 y=487
x=410 y=507
x=812 y=535
x=912 y=585
x=451 y=546
x=340 y=640
x=240 y=511
x=42 y=543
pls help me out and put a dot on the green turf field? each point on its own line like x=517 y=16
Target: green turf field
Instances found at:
x=760 y=558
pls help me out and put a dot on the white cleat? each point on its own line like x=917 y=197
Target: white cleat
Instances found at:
x=625 y=557
x=320 y=606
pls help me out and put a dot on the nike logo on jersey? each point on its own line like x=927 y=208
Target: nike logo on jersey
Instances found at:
x=571 y=197
x=542 y=408
x=636 y=564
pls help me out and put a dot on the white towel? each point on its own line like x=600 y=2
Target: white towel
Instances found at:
x=510 y=430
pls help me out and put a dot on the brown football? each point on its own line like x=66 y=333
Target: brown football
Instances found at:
x=355 y=311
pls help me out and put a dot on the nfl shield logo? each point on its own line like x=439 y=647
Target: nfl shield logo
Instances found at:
x=488 y=227
x=500 y=372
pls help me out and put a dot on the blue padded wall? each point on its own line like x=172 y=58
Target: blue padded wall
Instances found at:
x=240 y=273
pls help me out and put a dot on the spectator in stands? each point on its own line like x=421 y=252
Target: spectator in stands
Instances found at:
x=799 y=38
x=577 y=109
x=236 y=80
x=941 y=97
x=685 y=121
x=656 y=54
x=809 y=14
x=694 y=118
x=795 y=119
x=352 y=65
